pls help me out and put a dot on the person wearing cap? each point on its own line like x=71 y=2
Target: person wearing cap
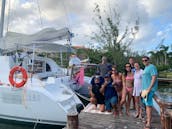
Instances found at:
x=111 y=97
x=100 y=77
x=97 y=97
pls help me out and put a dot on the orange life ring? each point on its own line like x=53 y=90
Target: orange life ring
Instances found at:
x=24 y=76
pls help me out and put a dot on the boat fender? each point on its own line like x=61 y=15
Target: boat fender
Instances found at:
x=24 y=76
x=79 y=107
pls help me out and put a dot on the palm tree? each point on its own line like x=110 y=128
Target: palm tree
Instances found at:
x=154 y=57
x=164 y=50
x=170 y=58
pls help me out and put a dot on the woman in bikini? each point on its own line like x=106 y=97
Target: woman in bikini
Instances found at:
x=127 y=91
x=117 y=83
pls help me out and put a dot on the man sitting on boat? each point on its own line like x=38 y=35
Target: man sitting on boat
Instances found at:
x=73 y=63
x=74 y=60
x=97 y=97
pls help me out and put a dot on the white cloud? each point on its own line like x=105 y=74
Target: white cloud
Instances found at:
x=157 y=7
x=159 y=33
x=78 y=15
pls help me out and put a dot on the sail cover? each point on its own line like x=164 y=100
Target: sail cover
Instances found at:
x=44 y=40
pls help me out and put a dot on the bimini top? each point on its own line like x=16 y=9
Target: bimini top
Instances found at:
x=44 y=40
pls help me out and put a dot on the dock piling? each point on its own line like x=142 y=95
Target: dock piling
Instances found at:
x=72 y=121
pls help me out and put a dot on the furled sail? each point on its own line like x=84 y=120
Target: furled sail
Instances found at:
x=43 y=40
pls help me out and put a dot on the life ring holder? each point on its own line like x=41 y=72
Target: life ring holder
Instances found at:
x=24 y=76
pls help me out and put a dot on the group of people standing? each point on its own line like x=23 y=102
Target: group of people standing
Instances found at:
x=111 y=89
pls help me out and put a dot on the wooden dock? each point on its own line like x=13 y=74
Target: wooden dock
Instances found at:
x=94 y=120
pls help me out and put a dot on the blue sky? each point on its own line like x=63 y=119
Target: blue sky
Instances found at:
x=154 y=15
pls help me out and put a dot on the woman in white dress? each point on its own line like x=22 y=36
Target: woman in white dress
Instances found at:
x=137 y=89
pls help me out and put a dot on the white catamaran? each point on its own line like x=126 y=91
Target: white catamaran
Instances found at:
x=32 y=88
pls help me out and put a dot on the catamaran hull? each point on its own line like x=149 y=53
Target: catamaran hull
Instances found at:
x=33 y=106
x=46 y=101
x=28 y=120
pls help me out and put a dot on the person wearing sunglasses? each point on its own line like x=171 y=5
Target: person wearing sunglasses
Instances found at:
x=149 y=86
x=127 y=91
x=110 y=94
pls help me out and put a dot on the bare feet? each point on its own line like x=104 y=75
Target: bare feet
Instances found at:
x=115 y=114
x=127 y=113
x=120 y=113
x=147 y=127
x=144 y=121
x=136 y=115
x=140 y=116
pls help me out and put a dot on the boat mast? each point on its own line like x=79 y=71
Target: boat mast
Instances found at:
x=2 y=18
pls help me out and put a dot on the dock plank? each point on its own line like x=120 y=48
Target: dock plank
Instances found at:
x=102 y=121
x=107 y=121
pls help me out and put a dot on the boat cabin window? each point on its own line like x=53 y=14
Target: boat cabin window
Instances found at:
x=48 y=68
x=36 y=66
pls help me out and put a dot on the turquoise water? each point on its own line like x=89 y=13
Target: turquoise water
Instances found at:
x=165 y=91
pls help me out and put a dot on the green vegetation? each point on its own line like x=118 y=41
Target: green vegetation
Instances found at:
x=162 y=58
x=114 y=42
x=113 y=37
x=165 y=74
